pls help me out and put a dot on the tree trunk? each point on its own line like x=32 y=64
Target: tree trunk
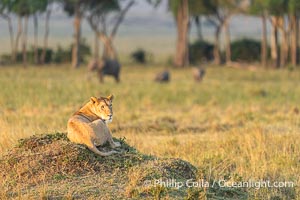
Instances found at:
x=227 y=41
x=264 y=41
x=24 y=44
x=297 y=39
x=199 y=27
x=284 y=43
x=19 y=33
x=35 y=24
x=77 y=34
x=294 y=39
x=11 y=35
x=96 y=47
x=43 y=56
x=217 y=57
x=109 y=51
x=182 y=21
x=274 y=42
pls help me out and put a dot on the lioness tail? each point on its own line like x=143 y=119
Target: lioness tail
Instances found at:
x=96 y=151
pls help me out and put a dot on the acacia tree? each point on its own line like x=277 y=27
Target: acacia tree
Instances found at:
x=274 y=42
x=36 y=8
x=197 y=21
x=278 y=9
x=216 y=17
x=23 y=9
x=18 y=36
x=259 y=7
x=5 y=11
x=180 y=10
x=47 y=30
x=219 y=15
x=105 y=18
x=217 y=12
x=294 y=9
x=76 y=8
x=196 y=11
x=228 y=7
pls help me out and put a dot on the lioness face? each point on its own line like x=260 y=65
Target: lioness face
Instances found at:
x=102 y=107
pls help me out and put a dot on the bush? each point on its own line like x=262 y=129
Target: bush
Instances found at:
x=199 y=51
x=30 y=55
x=85 y=50
x=246 y=50
x=6 y=58
x=60 y=55
x=64 y=55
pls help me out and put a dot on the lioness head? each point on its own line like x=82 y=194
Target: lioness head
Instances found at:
x=102 y=107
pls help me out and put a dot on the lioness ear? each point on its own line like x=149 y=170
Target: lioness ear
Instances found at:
x=94 y=99
x=110 y=97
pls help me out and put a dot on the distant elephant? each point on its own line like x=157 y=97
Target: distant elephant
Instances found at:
x=198 y=74
x=110 y=67
x=163 y=77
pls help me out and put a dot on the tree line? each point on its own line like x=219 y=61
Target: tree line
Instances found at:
x=282 y=14
x=105 y=17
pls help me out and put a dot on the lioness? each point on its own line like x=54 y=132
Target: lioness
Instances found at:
x=88 y=125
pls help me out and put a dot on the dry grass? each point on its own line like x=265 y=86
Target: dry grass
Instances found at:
x=39 y=163
x=235 y=125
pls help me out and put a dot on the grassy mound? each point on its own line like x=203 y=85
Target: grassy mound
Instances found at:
x=50 y=166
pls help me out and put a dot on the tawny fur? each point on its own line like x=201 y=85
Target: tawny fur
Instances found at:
x=88 y=125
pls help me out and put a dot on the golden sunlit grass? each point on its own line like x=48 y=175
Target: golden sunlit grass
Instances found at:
x=234 y=123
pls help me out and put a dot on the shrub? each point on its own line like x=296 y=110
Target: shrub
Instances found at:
x=6 y=58
x=199 y=51
x=85 y=50
x=30 y=55
x=64 y=55
x=246 y=50
x=60 y=55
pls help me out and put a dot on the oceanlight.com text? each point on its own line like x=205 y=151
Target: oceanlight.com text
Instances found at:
x=173 y=183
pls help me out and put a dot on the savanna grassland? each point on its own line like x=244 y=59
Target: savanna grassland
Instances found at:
x=235 y=125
